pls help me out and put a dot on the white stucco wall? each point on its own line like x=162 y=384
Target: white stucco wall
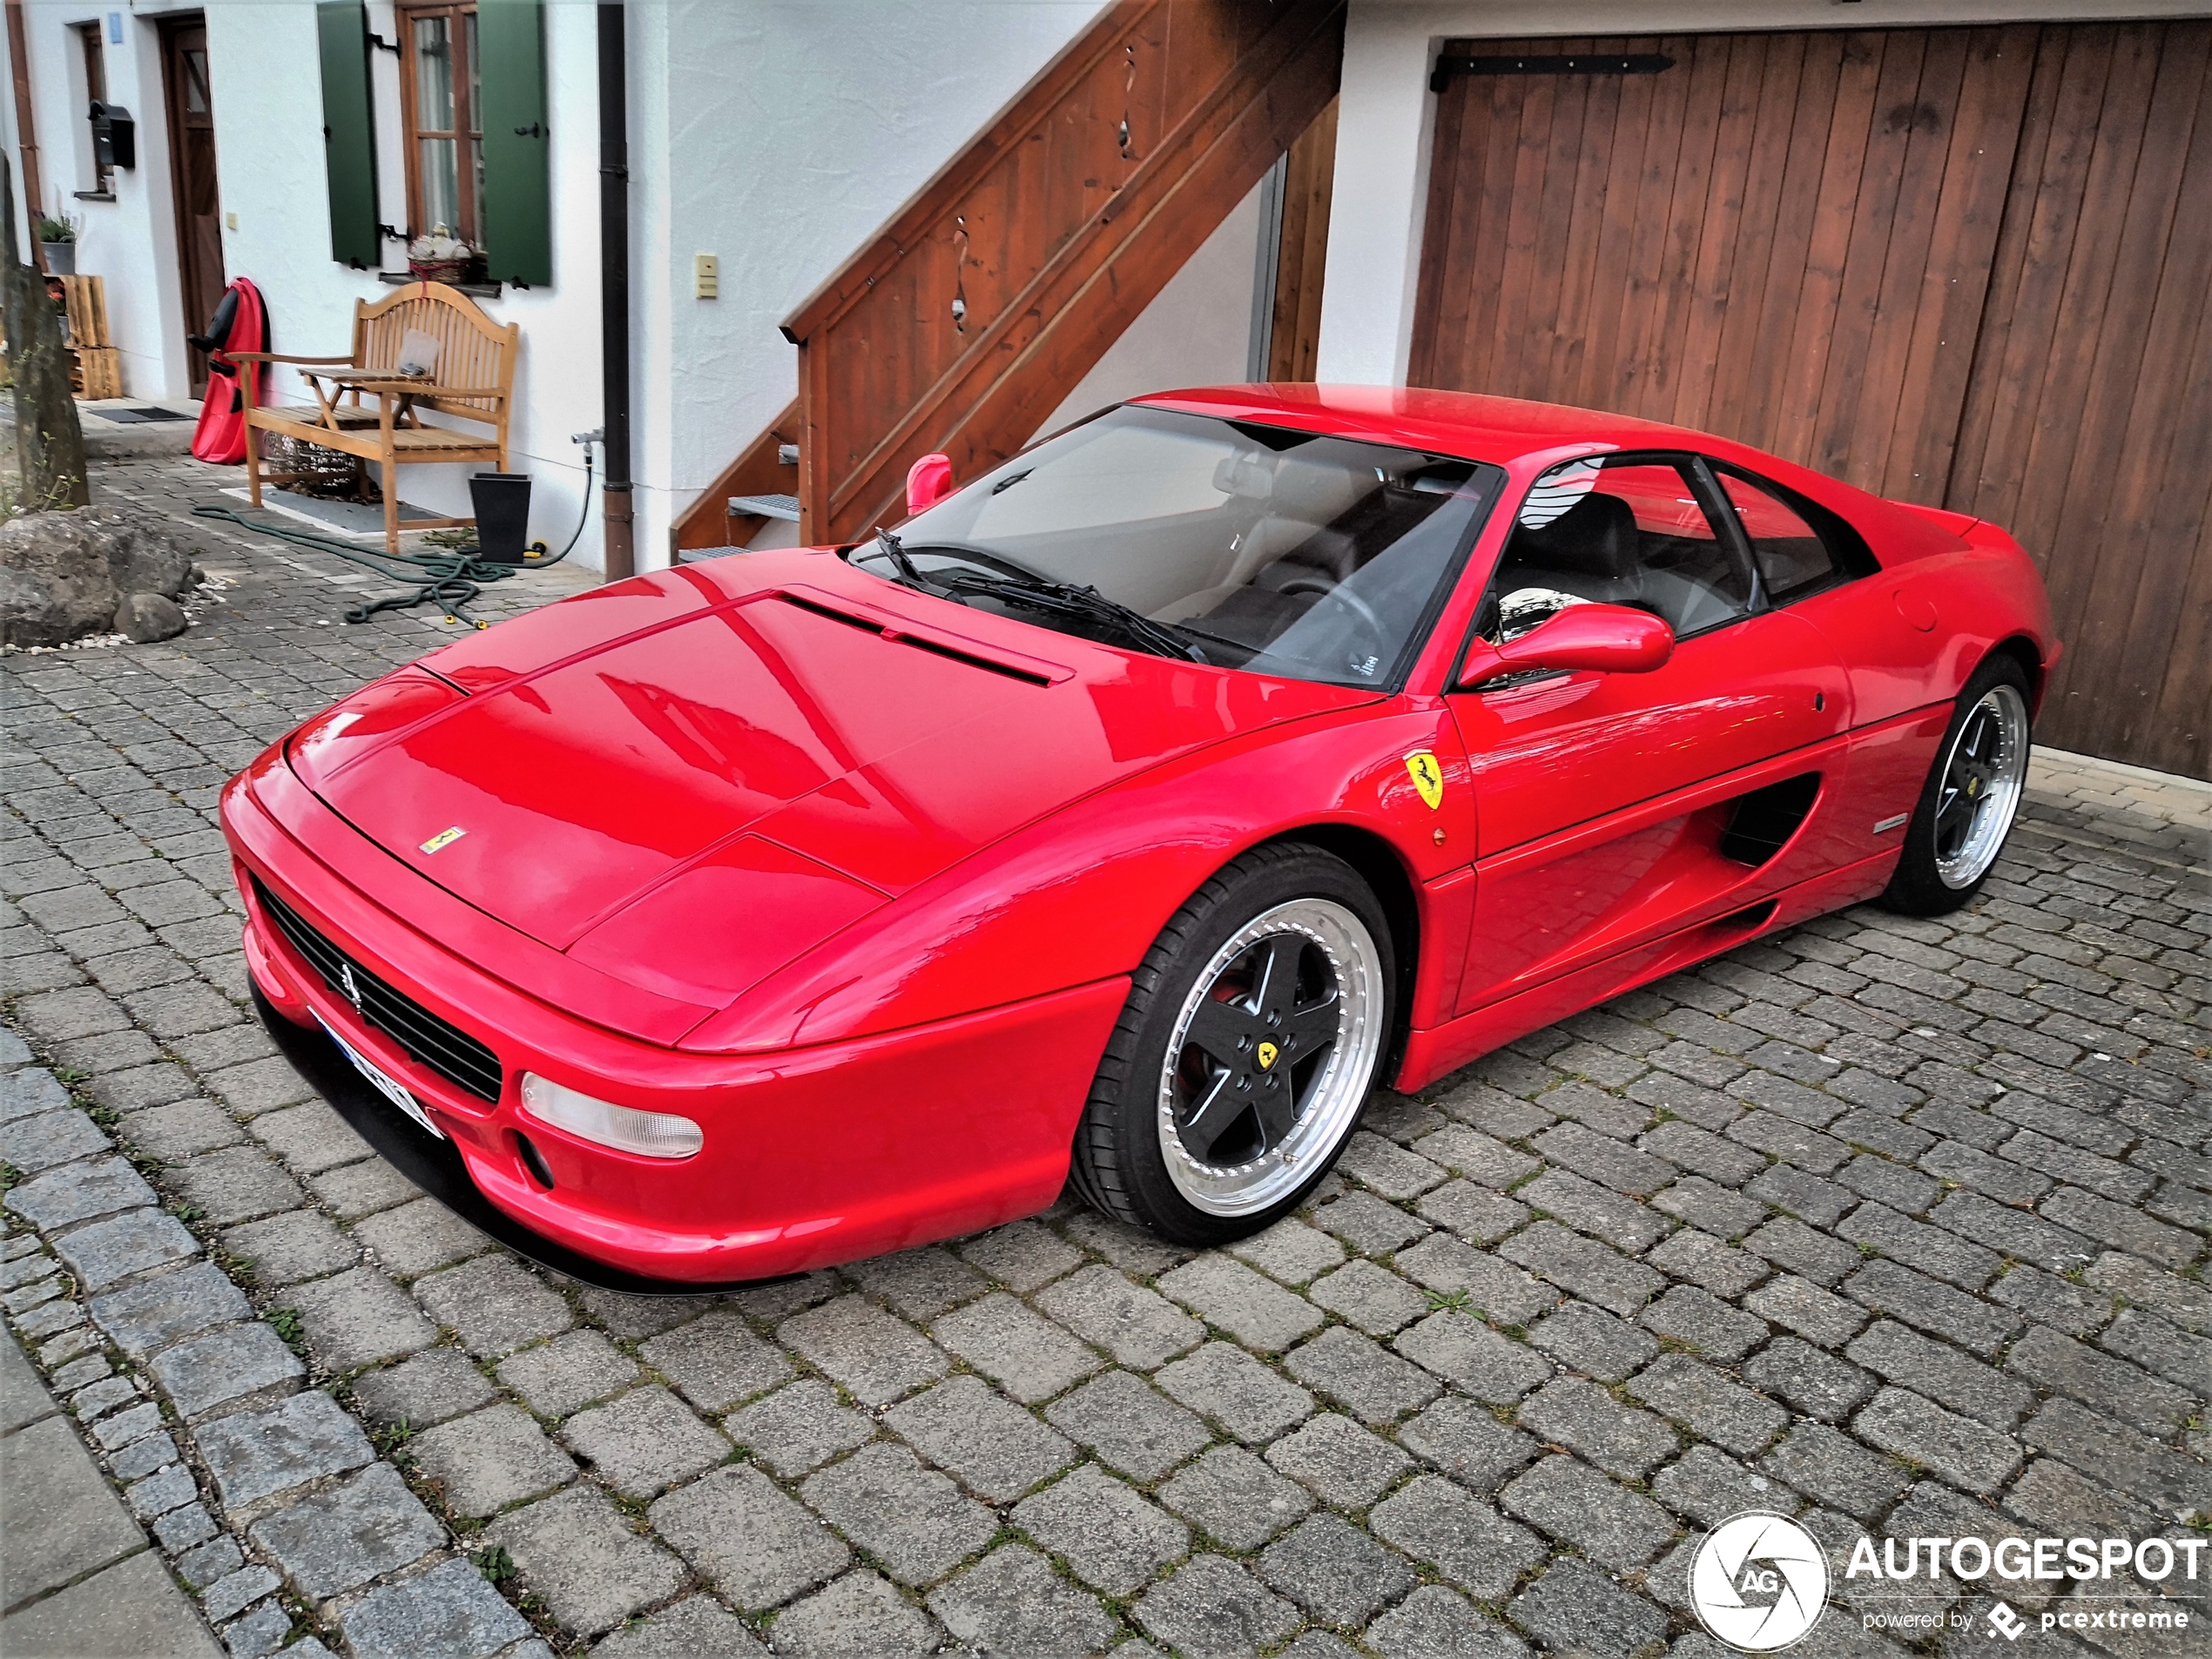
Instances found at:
x=1386 y=118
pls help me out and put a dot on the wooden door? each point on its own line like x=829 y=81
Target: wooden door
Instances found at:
x=1961 y=266
x=191 y=168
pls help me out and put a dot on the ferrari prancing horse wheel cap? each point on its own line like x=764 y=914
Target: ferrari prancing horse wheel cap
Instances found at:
x=1758 y=1582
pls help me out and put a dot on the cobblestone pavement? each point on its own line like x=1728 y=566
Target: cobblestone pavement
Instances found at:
x=1896 y=1225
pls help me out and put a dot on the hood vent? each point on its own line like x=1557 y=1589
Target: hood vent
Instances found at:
x=901 y=633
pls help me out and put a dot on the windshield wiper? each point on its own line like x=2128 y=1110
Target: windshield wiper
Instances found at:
x=1066 y=599
x=909 y=573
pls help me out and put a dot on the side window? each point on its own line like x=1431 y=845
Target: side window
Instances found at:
x=1624 y=530
x=1793 y=557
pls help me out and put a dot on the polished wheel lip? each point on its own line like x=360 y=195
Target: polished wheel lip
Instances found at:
x=1982 y=777
x=1334 y=1097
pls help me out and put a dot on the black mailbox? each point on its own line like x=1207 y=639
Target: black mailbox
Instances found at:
x=115 y=135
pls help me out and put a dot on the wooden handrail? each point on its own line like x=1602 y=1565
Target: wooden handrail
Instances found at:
x=987 y=298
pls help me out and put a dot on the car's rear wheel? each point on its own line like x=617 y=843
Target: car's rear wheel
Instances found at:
x=1254 y=1028
x=1966 y=808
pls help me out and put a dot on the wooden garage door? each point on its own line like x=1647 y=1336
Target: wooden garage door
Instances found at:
x=1968 y=267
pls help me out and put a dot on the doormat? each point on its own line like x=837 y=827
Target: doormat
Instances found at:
x=133 y=417
x=347 y=518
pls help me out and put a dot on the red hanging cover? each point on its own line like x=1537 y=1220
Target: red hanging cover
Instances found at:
x=240 y=325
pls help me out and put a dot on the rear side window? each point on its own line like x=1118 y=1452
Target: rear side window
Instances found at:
x=1795 y=557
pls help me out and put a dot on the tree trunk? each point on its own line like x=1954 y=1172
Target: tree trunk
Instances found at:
x=50 y=443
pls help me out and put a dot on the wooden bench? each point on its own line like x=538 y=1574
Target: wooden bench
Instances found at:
x=469 y=378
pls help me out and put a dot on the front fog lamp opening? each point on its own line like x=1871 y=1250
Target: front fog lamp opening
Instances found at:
x=652 y=1135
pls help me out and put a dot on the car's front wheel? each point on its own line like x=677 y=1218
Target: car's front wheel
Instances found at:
x=1254 y=1028
x=1972 y=794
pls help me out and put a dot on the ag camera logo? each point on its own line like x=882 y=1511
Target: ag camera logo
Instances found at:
x=1758 y=1582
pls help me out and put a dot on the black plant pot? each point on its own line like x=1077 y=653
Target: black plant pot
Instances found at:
x=503 y=504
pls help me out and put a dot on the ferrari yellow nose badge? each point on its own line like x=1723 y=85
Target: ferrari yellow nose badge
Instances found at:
x=1427 y=777
x=1267 y=1053
x=444 y=838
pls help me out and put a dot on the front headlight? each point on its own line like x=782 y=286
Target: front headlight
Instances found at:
x=653 y=1135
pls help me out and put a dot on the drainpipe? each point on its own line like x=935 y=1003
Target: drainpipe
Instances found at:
x=34 y=194
x=614 y=290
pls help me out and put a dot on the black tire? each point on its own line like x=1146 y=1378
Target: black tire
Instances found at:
x=1120 y=1165
x=1920 y=887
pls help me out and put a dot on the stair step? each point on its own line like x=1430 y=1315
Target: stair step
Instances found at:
x=783 y=507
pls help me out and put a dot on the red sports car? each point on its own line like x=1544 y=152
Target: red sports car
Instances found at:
x=1129 y=813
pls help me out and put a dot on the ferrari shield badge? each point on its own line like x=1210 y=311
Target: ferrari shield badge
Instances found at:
x=1428 y=778
x=1267 y=1055
x=444 y=838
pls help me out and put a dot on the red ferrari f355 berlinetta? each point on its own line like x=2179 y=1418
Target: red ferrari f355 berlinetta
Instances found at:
x=1129 y=813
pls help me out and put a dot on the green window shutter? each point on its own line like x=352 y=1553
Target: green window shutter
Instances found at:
x=518 y=201
x=349 y=133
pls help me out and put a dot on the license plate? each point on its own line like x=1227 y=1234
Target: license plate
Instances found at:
x=390 y=1088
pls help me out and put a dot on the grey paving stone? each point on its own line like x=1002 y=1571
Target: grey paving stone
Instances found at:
x=1582 y=1267
x=1573 y=1502
x=2077 y=1310
x=1213 y=1609
x=698 y=1627
x=2056 y=1499
x=1386 y=1167
x=1957 y=1448
x=1704 y=1323
x=161 y=1492
x=576 y=1550
x=643 y=1442
x=40 y=1143
x=1937 y=1309
x=414 y=1237
x=135 y=1242
x=2122 y=1227
x=1470 y=1543
x=356 y=1319
x=151 y=1313
x=1375 y=1385
x=81 y=1526
x=877 y=1357
x=2120 y=1456
x=2065 y=1367
x=1595 y=1209
x=1339 y=1575
x=716 y=1361
x=284 y=1250
x=920 y=1283
x=1833 y=1469
x=1575 y=1608
x=1230 y=1296
x=749 y=1541
x=1127 y=1426
x=1480 y=1157
x=495 y=1304
x=1708 y=1404
x=1433 y=1623
x=858 y=1617
x=1490 y=1287
x=449 y=1609
x=35 y=1089
x=1475 y=1213
x=79 y=1192
x=142 y=1457
x=1022 y=1255
x=423 y=1391
x=1224 y=1383
x=1141 y=1328
x=2184 y=1302
x=1474 y=1359
x=243 y=1363
x=1131 y=1249
x=575 y=1368
x=994 y=1446
x=210 y=1561
x=1702 y=1152
x=358 y=1530
x=1234 y=1497
x=1811 y=1380
x=1290 y=1251
x=1110 y=1537
x=233 y=1184
x=1707 y=1263
x=182 y=1527
x=2158 y=1346
x=1705 y=1203
x=1584 y=1418
x=125 y=1426
x=310 y=1137
x=1371 y=1298
x=1012 y=1601
x=1803 y=1306
x=1804 y=1251
x=181 y=1129
x=255 y=1456
x=1942 y=1373
x=352 y=1191
x=1367 y=1224
x=912 y=1520
x=1707 y=1486
x=1340 y=1462
x=1589 y=1339
x=490 y=1459
x=1469 y=1443
x=1931 y=1250
x=1602 y=1159
x=797 y=1428
x=1793 y=1189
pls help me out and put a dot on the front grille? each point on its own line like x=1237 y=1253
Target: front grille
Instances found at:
x=445 y=1048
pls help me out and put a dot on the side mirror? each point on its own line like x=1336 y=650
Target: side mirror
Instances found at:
x=1608 y=639
x=928 y=481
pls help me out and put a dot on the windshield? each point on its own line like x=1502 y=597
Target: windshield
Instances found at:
x=1249 y=547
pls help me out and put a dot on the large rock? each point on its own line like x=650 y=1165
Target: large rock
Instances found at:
x=64 y=575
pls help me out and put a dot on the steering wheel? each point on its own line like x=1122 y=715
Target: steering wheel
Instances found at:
x=1362 y=611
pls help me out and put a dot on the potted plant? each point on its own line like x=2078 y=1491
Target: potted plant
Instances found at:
x=58 y=237
x=440 y=257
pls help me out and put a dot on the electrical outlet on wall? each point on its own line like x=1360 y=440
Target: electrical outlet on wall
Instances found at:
x=707 y=276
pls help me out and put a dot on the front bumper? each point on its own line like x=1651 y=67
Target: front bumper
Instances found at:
x=813 y=1157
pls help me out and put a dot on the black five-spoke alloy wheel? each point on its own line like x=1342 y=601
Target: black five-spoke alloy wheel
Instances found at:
x=1972 y=794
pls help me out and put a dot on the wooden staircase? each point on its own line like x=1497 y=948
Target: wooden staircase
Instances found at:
x=968 y=320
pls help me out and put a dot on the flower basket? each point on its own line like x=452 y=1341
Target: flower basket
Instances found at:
x=453 y=271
